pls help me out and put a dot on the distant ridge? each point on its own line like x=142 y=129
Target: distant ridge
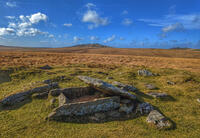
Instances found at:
x=96 y=45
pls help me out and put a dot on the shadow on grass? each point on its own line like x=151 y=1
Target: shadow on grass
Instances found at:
x=167 y=98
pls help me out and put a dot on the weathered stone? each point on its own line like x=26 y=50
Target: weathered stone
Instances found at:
x=125 y=101
x=170 y=83
x=46 y=67
x=114 y=114
x=85 y=108
x=100 y=116
x=124 y=86
x=198 y=100
x=106 y=87
x=62 y=99
x=126 y=108
x=19 y=97
x=73 y=92
x=158 y=120
x=144 y=108
x=150 y=86
x=157 y=95
x=145 y=73
x=40 y=95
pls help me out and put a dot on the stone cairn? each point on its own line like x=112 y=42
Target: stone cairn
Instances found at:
x=99 y=101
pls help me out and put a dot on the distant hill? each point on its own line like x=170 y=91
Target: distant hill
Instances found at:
x=96 y=45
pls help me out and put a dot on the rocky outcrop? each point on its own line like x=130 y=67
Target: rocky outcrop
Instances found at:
x=145 y=73
x=150 y=86
x=21 y=96
x=144 y=108
x=106 y=87
x=126 y=108
x=158 y=120
x=124 y=86
x=85 y=108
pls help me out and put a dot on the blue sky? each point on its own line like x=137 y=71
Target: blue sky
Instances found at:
x=119 y=23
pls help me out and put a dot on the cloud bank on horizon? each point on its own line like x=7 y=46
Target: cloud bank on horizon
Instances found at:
x=125 y=23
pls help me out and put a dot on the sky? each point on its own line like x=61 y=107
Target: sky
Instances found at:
x=120 y=23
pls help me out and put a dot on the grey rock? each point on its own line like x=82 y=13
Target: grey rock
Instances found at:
x=100 y=116
x=106 y=87
x=85 y=108
x=125 y=86
x=125 y=101
x=21 y=96
x=40 y=95
x=158 y=120
x=126 y=108
x=144 y=108
x=170 y=83
x=198 y=100
x=62 y=99
x=113 y=114
x=145 y=73
x=157 y=95
x=150 y=86
x=52 y=101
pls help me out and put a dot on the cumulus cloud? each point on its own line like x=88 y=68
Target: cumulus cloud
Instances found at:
x=67 y=24
x=90 y=5
x=37 y=17
x=127 y=22
x=11 y=4
x=10 y=17
x=6 y=31
x=92 y=17
x=94 y=38
x=76 y=38
x=173 y=27
x=109 y=39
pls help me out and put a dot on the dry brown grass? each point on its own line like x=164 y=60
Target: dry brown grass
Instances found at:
x=33 y=59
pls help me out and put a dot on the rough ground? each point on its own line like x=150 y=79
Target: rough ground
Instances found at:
x=27 y=120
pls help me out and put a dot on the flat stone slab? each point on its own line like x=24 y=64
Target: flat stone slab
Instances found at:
x=124 y=86
x=85 y=108
x=21 y=96
x=106 y=87
x=158 y=120
x=157 y=95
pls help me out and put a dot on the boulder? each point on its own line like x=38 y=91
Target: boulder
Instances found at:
x=144 y=108
x=106 y=87
x=113 y=114
x=157 y=95
x=21 y=96
x=145 y=73
x=150 y=86
x=125 y=101
x=126 y=108
x=158 y=120
x=124 y=86
x=85 y=108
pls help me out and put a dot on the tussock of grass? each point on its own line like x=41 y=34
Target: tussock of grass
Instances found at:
x=28 y=120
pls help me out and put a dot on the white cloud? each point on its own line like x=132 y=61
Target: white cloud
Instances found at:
x=6 y=31
x=10 y=17
x=189 y=21
x=51 y=36
x=94 y=38
x=12 y=25
x=76 y=39
x=11 y=4
x=67 y=24
x=90 y=5
x=37 y=17
x=124 y=12
x=173 y=27
x=109 y=39
x=91 y=16
x=127 y=22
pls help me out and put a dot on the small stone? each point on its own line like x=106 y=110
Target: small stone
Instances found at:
x=145 y=73
x=126 y=108
x=144 y=108
x=40 y=95
x=198 y=100
x=150 y=86
x=125 y=101
x=114 y=114
x=158 y=95
x=170 y=83
x=62 y=99
x=158 y=120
